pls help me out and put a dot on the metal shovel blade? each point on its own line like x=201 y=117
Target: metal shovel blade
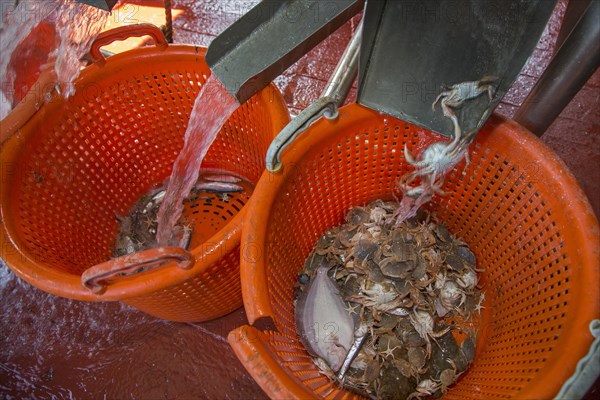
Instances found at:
x=414 y=50
x=103 y=4
x=269 y=38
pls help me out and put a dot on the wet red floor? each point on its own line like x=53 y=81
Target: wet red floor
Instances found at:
x=57 y=348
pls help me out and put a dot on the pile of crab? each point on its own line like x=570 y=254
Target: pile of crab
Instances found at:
x=380 y=305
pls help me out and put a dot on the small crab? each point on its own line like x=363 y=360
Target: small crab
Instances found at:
x=417 y=359
x=451 y=295
x=441 y=157
x=415 y=365
x=426 y=387
x=468 y=280
x=457 y=94
x=449 y=375
x=423 y=323
x=398 y=260
x=379 y=296
x=435 y=162
x=377 y=217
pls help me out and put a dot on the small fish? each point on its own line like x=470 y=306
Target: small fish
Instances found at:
x=218 y=187
x=400 y=312
x=222 y=178
x=152 y=200
x=158 y=196
x=360 y=334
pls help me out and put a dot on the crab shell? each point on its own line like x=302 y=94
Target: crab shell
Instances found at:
x=451 y=295
x=468 y=280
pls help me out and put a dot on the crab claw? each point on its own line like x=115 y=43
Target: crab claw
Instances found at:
x=406 y=180
x=438 y=190
x=409 y=157
x=436 y=184
x=443 y=94
x=486 y=80
x=414 y=191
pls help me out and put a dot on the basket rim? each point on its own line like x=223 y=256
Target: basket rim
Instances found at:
x=255 y=289
x=254 y=352
x=44 y=87
x=68 y=285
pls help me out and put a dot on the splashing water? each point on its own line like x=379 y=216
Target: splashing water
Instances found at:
x=77 y=25
x=17 y=24
x=211 y=109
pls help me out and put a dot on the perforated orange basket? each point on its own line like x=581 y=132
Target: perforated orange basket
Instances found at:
x=76 y=163
x=517 y=206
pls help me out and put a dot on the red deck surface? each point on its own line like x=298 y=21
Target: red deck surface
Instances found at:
x=56 y=348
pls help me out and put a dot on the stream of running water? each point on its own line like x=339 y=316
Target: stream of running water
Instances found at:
x=212 y=108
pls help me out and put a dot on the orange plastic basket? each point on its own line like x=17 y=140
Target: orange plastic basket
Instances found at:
x=517 y=206
x=76 y=163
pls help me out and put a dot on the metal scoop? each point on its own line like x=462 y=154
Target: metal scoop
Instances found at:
x=467 y=52
x=102 y=4
x=463 y=54
x=270 y=37
x=444 y=65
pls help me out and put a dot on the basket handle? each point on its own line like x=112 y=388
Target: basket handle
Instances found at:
x=97 y=278
x=123 y=33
